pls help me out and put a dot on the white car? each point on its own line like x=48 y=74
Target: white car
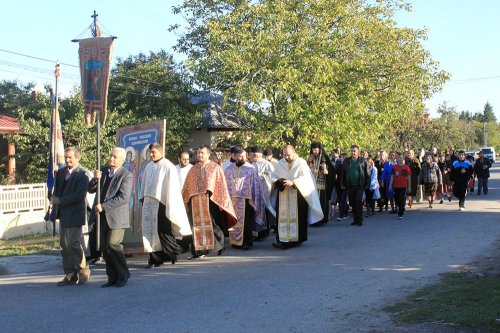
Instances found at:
x=489 y=152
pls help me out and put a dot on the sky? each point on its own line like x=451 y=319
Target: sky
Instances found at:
x=462 y=37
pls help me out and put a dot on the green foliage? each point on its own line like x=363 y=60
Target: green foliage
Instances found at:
x=142 y=88
x=311 y=70
x=25 y=245
x=151 y=87
x=488 y=114
x=14 y=96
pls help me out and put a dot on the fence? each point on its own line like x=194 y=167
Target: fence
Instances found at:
x=22 y=209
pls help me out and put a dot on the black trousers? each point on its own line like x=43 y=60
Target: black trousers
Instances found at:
x=112 y=250
x=170 y=247
x=400 y=199
x=355 y=194
x=459 y=190
x=324 y=200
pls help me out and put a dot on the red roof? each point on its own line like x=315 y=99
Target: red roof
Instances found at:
x=9 y=125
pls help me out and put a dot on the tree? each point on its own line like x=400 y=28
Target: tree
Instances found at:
x=142 y=88
x=337 y=71
x=150 y=87
x=488 y=114
x=13 y=96
x=32 y=147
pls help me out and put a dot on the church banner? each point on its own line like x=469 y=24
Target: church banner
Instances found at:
x=136 y=140
x=95 y=59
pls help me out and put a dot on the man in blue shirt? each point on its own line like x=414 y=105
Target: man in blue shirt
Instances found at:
x=460 y=175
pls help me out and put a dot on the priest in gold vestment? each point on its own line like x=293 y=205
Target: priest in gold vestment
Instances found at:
x=295 y=198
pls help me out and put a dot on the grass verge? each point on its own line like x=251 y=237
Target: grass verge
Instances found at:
x=460 y=299
x=35 y=244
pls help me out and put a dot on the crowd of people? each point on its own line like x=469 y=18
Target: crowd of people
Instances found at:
x=196 y=206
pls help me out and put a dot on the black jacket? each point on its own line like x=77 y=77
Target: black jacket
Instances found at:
x=364 y=178
x=482 y=168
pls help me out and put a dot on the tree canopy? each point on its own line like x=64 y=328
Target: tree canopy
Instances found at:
x=142 y=88
x=312 y=70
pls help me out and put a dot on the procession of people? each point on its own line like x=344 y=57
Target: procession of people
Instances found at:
x=195 y=205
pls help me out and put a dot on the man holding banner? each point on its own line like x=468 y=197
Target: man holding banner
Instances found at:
x=69 y=202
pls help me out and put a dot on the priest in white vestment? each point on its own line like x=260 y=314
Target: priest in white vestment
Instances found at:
x=183 y=167
x=295 y=199
x=164 y=218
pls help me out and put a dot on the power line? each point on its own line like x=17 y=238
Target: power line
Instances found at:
x=66 y=81
x=62 y=63
x=474 y=80
x=37 y=58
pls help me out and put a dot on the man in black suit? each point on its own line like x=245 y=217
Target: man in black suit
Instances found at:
x=113 y=207
x=69 y=203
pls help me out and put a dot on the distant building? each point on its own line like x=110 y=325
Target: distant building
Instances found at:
x=218 y=124
x=8 y=125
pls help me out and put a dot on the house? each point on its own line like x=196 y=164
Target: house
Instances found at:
x=218 y=125
x=8 y=125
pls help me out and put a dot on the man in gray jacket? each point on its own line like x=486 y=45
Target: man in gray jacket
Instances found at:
x=116 y=188
x=70 y=208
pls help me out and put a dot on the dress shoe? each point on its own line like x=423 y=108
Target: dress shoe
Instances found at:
x=68 y=280
x=123 y=281
x=196 y=256
x=221 y=251
x=108 y=284
x=279 y=246
x=84 y=275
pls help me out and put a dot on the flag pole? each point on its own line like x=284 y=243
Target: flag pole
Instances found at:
x=57 y=73
x=95 y=33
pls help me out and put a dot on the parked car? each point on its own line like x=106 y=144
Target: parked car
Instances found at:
x=473 y=153
x=490 y=153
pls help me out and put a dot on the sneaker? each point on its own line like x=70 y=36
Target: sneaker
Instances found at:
x=339 y=218
x=346 y=217
x=461 y=209
x=400 y=217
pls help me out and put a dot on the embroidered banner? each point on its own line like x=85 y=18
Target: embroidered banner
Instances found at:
x=95 y=59
x=288 y=220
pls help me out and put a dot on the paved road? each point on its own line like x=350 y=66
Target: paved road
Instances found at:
x=336 y=282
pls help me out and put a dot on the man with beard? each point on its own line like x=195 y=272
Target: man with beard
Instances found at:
x=265 y=170
x=164 y=219
x=208 y=204
x=322 y=170
x=461 y=173
x=232 y=159
x=244 y=189
x=296 y=199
